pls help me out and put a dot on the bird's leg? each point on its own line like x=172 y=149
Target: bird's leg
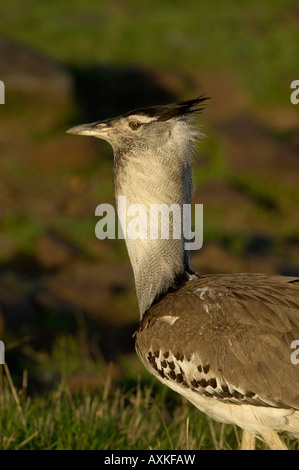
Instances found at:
x=273 y=441
x=248 y=441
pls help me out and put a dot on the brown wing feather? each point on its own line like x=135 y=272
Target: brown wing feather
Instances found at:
x=241 y=326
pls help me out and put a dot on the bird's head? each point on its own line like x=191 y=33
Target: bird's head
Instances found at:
x=148 y=127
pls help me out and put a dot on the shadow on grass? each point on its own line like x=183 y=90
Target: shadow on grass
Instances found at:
x=103 y=91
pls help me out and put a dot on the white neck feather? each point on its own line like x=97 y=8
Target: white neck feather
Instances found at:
x=155 y=176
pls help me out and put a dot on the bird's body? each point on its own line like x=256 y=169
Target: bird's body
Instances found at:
x=227 y=348
x=221 y=341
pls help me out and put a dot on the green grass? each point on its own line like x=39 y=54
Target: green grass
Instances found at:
x=134 y=412
x=108 y=420
x=257 y=42
x=147 y=417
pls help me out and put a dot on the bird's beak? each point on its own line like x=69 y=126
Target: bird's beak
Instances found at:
x=101 y=130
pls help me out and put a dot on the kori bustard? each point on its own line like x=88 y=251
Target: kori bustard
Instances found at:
x=222 y=341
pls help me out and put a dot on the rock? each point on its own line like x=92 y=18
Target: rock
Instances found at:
x=280 y=119
x=105 y=293
x=61 y=152
x=144 y=87
x=2 y=324
x=54 y=251
x=227 y=98
x=38 y=92
x=24 y=70
x=251 y=149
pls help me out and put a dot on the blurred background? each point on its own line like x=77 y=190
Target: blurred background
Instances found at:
x=67 y=300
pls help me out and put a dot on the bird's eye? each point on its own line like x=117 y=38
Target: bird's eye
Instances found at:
x=134 y=125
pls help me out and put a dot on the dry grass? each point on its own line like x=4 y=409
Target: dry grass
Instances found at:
x=146 y=417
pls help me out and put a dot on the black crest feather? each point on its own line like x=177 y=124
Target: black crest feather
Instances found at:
x=171 y=111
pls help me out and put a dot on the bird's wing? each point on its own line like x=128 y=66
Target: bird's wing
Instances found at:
x=228 y=337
